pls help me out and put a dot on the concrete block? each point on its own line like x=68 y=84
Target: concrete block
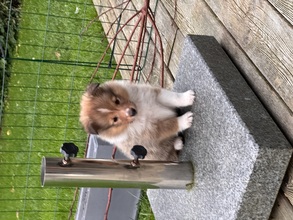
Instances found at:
x=239 y=154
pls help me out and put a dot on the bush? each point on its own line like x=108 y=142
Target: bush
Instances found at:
x=9 y=19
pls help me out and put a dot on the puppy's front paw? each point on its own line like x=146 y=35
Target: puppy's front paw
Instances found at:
x=185 y=121
x=178 y=143
x=188 y=98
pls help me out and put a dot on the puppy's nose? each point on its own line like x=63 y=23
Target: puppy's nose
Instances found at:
x=131 y=112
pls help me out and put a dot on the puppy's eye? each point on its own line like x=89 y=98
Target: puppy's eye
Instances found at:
x=117 y=101
x=115 y=119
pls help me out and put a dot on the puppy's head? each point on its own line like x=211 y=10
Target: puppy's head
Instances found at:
x=106 y=109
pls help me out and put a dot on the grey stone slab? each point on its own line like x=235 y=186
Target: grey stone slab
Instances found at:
x=93 y=201
x=239 y=154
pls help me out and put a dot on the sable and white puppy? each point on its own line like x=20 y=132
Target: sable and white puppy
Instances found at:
x=127 y=114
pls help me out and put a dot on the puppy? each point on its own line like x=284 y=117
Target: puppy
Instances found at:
x=127 y=114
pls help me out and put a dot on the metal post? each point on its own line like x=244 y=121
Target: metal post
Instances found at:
x=117 y=174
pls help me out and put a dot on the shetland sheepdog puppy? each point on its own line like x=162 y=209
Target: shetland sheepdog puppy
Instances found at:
x=127 y=114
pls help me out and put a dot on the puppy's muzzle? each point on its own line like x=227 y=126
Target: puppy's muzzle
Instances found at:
x=131 y=112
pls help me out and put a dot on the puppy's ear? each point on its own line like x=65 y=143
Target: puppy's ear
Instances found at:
x=93 y=89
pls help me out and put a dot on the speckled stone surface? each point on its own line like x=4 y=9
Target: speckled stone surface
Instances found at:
x=239 y=153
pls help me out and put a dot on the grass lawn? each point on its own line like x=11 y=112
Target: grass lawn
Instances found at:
x=145 y=211
x=41 y=111
x=42 y=107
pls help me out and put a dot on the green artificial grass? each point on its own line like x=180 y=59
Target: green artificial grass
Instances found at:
x=144 y=210
x=42 y=103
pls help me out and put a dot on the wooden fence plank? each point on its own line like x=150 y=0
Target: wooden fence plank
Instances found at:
x=282 y=210
x=268 y=41
x=288 y=183
x=285 y=7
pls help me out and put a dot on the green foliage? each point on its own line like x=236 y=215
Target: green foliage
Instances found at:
x=9 y=20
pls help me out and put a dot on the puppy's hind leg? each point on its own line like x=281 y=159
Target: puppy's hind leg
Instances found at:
x=175 y=99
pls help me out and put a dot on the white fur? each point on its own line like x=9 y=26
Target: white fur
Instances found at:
x=170 y=98
x=104 y=110
x=185 y=121
x=187 y=98
x=178 y=144
x=117 y=139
